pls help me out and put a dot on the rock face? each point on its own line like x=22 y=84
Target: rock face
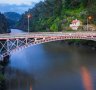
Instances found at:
x=89 y=27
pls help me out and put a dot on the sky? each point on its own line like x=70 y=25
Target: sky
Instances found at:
x=19 y=6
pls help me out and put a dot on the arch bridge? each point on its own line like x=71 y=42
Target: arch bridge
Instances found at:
x=10 y=43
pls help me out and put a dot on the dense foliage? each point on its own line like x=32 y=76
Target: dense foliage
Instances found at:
x=4 y=28
x=56 y=15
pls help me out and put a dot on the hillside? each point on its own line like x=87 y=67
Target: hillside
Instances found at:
x=12 y=18
x=56 y=15
x=4 y=28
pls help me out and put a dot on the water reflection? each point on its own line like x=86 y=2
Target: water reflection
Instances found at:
x=52 y=66
x=30 y=87
x=86 y=78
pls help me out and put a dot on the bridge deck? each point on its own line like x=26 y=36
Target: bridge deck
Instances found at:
x=44 y=34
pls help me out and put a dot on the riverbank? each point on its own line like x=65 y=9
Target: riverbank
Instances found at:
x=82 y=43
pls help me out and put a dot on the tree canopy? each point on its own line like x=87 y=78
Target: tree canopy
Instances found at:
x=3 y=24
x=56 y=15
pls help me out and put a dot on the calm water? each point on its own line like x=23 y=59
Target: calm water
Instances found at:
x=52 y=66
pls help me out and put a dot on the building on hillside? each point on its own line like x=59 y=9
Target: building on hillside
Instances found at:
x=75 y=24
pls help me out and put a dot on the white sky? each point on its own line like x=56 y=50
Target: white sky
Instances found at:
x=19 y=2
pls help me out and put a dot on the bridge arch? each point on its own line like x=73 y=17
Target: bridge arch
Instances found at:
x=18 y=43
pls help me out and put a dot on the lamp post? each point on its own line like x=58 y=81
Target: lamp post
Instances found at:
x=28 y=16
x=88 y=18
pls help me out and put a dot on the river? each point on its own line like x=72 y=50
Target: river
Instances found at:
x=52 y=66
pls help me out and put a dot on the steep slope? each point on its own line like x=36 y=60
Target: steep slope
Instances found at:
x=4 y=28
x=12 y=18
x=56 y=15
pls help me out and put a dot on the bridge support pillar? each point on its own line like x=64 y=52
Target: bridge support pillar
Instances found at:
x=17 y=43
x=35 y=39
x=26 y=41
x=43 y=38
x=8 y=49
